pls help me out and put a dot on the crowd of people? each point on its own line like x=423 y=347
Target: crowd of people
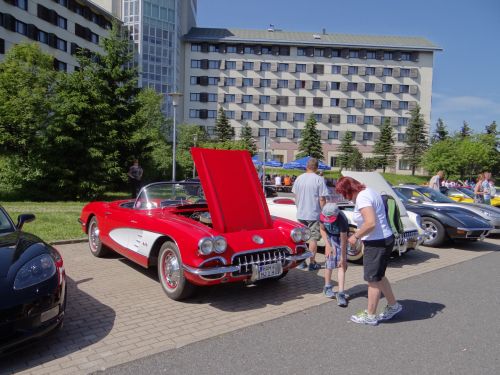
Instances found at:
x=316 y=208
x=483 y=186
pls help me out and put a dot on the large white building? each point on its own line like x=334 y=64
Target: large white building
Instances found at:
x=273 y=80
x=61 y=27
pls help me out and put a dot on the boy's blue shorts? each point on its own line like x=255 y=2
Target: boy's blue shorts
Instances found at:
x=333 y=259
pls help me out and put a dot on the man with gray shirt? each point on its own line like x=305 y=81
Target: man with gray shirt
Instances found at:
x=436 y=180
x=310 y=196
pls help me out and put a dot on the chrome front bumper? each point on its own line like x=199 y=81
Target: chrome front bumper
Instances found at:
x=230 y=269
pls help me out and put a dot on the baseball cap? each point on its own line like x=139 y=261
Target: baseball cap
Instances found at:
x=329 y=213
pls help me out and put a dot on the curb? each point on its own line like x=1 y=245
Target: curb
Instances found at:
x=67 y=242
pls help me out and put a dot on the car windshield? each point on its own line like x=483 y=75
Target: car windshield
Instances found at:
x=5 y=223
x=466 y=191
x=401 y=196
x=165 y=194
x=434 y=195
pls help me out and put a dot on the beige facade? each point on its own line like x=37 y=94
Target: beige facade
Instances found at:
x=274 y=80
x=60 y=27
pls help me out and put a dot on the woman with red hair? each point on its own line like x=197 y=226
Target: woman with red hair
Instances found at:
x=378 y=240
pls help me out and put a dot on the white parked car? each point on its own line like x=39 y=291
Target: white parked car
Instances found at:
x=413 y=235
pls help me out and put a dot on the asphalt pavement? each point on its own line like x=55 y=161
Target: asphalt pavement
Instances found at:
x=449 y=325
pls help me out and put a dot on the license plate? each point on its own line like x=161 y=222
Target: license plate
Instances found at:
x=266 y=271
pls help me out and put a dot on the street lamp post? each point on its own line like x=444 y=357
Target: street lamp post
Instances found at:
x=194 y=166
x=176 y=96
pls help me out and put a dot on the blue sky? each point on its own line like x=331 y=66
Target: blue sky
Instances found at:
x=466 y=84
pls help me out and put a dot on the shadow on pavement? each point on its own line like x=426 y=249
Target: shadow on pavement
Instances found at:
x=473 y=245
x=416 y=310
x=412 y=257
x=86 y=322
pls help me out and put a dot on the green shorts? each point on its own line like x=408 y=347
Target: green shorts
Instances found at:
x=313 y=225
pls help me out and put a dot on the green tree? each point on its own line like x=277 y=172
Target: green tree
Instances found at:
x=384 y=147
x=346 y=151
x=492 y=128
x=189 y=136
x=442 y=155
x=223 y=129
x=310 y=144
x=441 y=133
x=465 y=130
x=248 y=140
x=356 y=160
x=416 y=140
x=27 y=81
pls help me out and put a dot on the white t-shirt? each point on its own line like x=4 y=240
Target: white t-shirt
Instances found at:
x=366 y=198
x=277 y=180
x=308 y=188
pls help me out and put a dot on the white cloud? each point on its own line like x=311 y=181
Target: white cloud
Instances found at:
x=445 y=103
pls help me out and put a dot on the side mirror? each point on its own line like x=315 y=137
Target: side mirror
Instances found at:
x=24 y=218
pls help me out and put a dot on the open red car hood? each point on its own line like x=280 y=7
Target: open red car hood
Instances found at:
x=232 y=190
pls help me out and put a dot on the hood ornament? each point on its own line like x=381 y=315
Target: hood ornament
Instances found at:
x=258 y=239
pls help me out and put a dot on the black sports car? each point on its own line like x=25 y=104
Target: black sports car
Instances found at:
x=443 y=223
x=32 y=285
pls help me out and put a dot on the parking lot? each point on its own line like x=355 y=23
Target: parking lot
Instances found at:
x=118 y=312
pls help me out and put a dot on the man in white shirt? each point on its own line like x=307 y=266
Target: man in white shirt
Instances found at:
x=435 y=181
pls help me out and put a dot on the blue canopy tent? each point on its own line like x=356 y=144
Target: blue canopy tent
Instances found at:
x=267 y=163
x=302 y=162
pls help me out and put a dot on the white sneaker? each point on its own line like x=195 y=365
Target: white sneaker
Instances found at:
x=362 y=317
x=390 y=311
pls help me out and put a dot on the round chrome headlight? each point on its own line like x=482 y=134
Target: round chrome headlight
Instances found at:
x=205 y=246
x=306 y=234
x=296 y=234
x=220 y=244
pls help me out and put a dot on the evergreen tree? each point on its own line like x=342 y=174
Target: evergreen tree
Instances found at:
x=384 y=147
x=356 y=160
x=465 y=131
x=346 y=151
x=441 y=133
x=223 y=129
x=492 y=128
x=416 y=141
x=310 y=144
x=247 y=138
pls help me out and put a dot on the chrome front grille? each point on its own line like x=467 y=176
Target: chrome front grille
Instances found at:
x=410 y=235
x=259 y=257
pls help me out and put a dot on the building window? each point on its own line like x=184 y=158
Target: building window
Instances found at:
x=263 y=115
x=368 y=120
x=20 y=27
x=195 y=63
x=61 y=44
x=318 y=102
x=62 y=22
x=263 y=132
x=230 y=114
x=94 y=38
x=247 y=65
x=386 y=104
x=387 y=55
x=334 y=102
x=367 y=136
x=194 y=113
x=60 y=66
x=335 y=53
x=371 y=54
x=299 y=117
x=230 y=64
x=282 y=83
x=211 y=97
x=387 y=72
x=211 y=130
x=229 y=98
x=335 y=69
x=333 y=134
x=282 y=100
x=281 y=133
x=247 y=98
x=211 y=114
x=319 y=52
x=369 y=87
x=281 y=116
x=265 y=66
x=334 y=119
x=43 y=37
x=315 y=85
x=299 y=84
x=248 y=49
x=369 y=103
x=403 y=121
x=297 y=133
x=282 y=67
x=213 y=81
x=386 y=88
x=213 y=48
x=351 y=119
x=335 y=85
x=213 y=64
x=403 y=105
x=352 y=86
x=300 y=101
x=333 y=161
x=266 y=50
x=403 y=165
x=405 y=56
x=231 y=49
x=370 y=71
x=404 y=88
x=401 y=137
x=352 y=70
x=284 y=51
x=404 y=72
x=246 y=115
x=353 y=54
x=264 y=99
x=23 y=4
x=350 y=102
x=318 y=69
x=194 y=97
x=265 y=83
x=318 y=117
x=230 y=81
x=353 y=135
x=299 y=68
x=247 y=82
x=301 y=52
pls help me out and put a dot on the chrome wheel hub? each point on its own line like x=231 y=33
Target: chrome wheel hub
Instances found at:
x=171 y=270
x=431 y=231
x=94 y=237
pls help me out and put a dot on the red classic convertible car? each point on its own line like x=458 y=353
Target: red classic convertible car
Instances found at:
x=200 y=234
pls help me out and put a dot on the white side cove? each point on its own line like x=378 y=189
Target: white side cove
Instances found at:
x=137 y=240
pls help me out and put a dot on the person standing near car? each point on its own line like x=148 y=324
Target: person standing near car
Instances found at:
x=134 y=177
x=376 y=234
x=486 y=187
x=478 y=189
x=435 y=181
x=310 y=196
